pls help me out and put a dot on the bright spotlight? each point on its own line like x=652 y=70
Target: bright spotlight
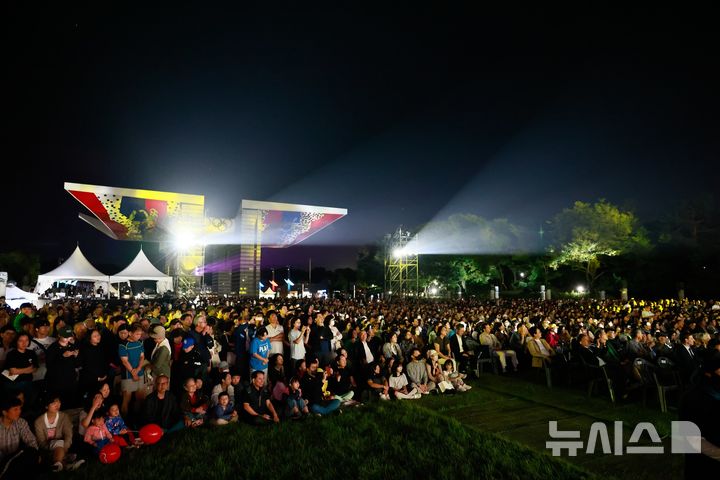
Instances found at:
x=580 y=289
x=183 y=241
x=522 y=274
x=433 y=291
x=398 y=252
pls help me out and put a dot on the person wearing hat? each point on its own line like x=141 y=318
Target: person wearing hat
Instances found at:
x=159 y=362
x=62 y=359
x=189 y=364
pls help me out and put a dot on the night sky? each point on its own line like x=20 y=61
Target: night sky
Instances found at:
x=400 y=113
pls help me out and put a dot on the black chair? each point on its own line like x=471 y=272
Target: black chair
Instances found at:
x=667 y=379
x=597 y=375
x=485 y=356
x=643 y=371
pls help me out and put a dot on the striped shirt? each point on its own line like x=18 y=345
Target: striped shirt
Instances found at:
x=10 y=437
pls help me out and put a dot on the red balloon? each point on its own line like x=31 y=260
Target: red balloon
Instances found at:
x=151 y=433
x=110 y=453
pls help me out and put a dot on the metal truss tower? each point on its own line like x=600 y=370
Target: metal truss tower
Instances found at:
x=401 y=265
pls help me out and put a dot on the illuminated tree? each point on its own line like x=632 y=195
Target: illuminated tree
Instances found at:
x=582 y=237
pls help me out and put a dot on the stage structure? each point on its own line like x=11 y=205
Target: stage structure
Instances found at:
x=401 y=264
x=178 y=222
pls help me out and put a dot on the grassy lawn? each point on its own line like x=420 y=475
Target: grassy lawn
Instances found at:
x=381 y=440
x=496 y=430
x=520 y=408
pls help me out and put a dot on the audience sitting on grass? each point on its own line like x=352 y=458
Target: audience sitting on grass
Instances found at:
x=224 y=411
x=193 y=403
x=340 y=353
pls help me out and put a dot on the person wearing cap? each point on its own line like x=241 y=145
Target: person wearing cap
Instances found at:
x=62 y=359
x=159 y=362
x=190 y=364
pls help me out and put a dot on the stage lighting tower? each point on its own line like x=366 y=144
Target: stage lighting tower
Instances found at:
x=401 y=264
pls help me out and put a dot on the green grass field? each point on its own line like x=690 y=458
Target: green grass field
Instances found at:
x=389 y=440
x=497 y=430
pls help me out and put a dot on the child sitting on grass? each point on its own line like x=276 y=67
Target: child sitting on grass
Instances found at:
x=97 y=433
x=296 y=405
x=455 y=378
x=117 y=428
x=224 y=412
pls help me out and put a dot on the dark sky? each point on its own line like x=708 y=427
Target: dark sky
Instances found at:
x=401 y=113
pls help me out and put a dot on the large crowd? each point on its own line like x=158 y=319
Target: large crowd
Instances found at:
x=78 y=375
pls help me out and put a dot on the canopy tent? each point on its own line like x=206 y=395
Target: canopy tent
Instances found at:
x=267 y=293
x=15 y=297
x=141 y=269
x=77 y=267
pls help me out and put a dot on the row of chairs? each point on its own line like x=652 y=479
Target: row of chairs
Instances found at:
x=662 y=378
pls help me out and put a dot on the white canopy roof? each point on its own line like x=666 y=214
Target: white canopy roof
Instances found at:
x=16 y=297
x=142 y=269
x=77 y=267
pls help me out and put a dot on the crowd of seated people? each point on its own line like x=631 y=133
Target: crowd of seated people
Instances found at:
x=117 y=366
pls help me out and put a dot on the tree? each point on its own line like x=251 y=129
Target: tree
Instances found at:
x=22 y=268
x=370 y=266
x=583 y=236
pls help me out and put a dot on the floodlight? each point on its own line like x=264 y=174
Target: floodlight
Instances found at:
x=398 y=252
x=580 y=289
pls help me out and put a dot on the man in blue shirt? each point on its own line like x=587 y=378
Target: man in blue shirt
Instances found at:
x=132 y=356
x=260 y=351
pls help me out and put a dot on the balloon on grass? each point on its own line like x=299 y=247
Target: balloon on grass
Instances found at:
x=151 y=434
x=110 y=453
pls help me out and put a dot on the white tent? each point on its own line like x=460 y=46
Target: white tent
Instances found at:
x=15 y=297
x=77 y=267
x=267 y=293
x=141 y=269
